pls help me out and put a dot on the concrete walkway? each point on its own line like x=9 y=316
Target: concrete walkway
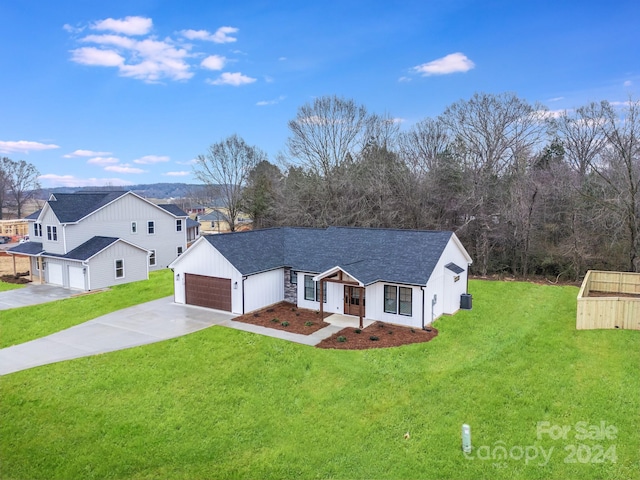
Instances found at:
x=139 y=325
x=34 y=294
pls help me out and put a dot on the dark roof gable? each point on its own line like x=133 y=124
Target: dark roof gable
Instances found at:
x=71 y=207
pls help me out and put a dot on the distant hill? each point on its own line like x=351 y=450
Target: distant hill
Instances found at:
x=165 y=191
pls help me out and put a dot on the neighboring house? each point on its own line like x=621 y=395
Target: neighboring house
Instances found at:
x=91 y=240
x=216 y=222
x=405 y=277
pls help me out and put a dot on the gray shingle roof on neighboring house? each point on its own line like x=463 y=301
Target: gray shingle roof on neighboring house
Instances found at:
x=71 y=207
x=192 y=223
x=33 y=216
x=27 y=248
x=214 y=216
x=173 y=209
x=368 y=254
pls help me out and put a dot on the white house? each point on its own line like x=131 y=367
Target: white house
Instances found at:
x=91 y=240
x=405 y=277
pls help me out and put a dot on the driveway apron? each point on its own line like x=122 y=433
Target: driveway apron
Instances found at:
x=139 y=325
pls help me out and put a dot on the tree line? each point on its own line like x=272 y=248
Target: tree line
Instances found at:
x=527 y=191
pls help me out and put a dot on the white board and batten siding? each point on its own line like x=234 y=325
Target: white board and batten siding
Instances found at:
x=204 y=259
x=375 y=306
x=102 y=267
x=114 y=220
x=335 y=295
x=49 y=219
x=263 y=289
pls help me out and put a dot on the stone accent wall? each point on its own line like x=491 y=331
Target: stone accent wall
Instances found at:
x=290 y=289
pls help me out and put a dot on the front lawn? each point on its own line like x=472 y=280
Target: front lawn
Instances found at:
x=5 y=286
x=20 y=325
x=222 y=403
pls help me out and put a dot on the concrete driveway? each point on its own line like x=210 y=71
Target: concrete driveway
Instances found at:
x=139 y=325
x=33 y=295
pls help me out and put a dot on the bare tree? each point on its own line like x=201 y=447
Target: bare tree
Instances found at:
x=20 y=182
x=326 y=133
x=4 y=182
x=490 y=132
x=225 y=168
x=424 y=144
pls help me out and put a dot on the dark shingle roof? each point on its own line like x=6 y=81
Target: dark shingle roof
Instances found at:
x=27 y=248
x=71 y=207
x=192 y=223
x=33 y=216
x=89 y=248
x=173 y=209
x=214 y=216
x=368 y=254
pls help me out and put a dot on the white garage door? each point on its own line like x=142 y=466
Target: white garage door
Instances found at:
x=55 y=273
x=76 y=277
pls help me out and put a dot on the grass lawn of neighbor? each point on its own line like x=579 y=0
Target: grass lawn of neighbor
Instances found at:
x=542 y=399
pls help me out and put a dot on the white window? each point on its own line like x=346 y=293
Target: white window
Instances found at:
x=119 y=268
x=134 y=227
x=179 y=225
x=152 y=258
x=52 y=233
x=151 y=227
x=180 y=251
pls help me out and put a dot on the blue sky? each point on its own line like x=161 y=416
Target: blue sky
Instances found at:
x=129 y=92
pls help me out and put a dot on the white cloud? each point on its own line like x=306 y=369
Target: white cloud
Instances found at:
x=404 y=79
x=115 y=40
x=214 y=62
x=542 y=114
x=452 y=63
x=128 y=25
x=555 y=99
x=177 y=174
x=151 y=159
x=193 y=161
x=24 y=146
x=70 y=181
x=628 y=83
x=222 y=35
x=263 y=103
x=85 y=153
x=102 y=161
x=235 y=79
x=96 y=57
x=124 y=168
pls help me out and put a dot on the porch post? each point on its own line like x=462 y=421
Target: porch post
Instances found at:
x=40 y=269
x=15 y=272
x=361 y=306
x=321 y=299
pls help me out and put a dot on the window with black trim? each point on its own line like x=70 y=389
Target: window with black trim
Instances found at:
x=151 y=227
x=390 y=299
x=180 y=251
x=324 y=292
x=309 y=288
x=293 y=277
x=405 y=297
x=179 y=225
x=152 y=258
x=119 y=268
x=134 y=227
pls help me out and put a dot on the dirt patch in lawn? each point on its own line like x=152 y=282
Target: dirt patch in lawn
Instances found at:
x=377 y=335
x=286 y=316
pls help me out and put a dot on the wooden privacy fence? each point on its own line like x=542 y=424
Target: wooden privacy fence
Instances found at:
x=609 y=300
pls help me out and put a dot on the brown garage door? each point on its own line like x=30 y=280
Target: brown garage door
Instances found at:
x=211 y=292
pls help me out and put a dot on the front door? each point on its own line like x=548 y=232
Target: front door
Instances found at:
x=352 y=300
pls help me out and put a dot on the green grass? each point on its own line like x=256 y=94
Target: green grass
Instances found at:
x=4 y=286
x=20 y=325
x=223 y=403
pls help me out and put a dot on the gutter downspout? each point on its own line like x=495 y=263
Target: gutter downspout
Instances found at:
x=423 y=297
x=243 y=279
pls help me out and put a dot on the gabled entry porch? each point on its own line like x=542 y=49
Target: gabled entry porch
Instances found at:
x=353 y=294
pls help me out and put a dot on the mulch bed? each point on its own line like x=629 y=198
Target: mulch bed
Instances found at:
x=284 y=312
x=20 y=278
x=387 y=335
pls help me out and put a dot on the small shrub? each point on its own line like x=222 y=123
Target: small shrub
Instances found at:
x=390 y=332
x=285 y=324
x=269 y=310
x=297 y=314
x=357 y=330
x=293 y=309
x=380 y=325
x=275 y=320
x=308 y=324
x=317 y=312
x=373 y=338
x=256 y=315
x=413 y=330
x=342 y=339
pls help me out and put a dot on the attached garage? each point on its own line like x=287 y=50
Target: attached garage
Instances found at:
x=54 y=273
x=210 y=292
